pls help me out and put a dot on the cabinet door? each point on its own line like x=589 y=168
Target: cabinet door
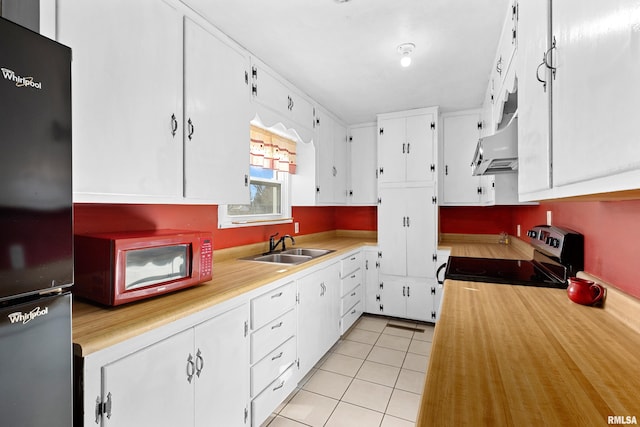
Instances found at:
x=270 y=92
x=331 y=317
x=124 y=97
x=391 y=156
x=312 y=310
x=340 y=171
x=216 y=135
x=301 y=110
x=222 y=370
x=534 y=163
x=363 y=189
x=421 y=231
x=151 y=387
x=371 y=285
x=392 y=231
x=419 y=301
x=325 y=151
x=595 y=103
x=395 y=297
x=420 y=148
x=461 y=136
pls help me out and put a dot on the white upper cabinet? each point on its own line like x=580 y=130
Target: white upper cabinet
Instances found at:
x=284 y=103
x=127 y=99
x=534 y=88
x=406 y=146
x=363 y=182
x=460 y=133
x=587 y=145
x=596 y=91
x=150 y=127
x=332 y=160
x=216 y=114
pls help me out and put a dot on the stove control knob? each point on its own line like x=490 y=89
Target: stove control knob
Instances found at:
x=549 y=241
x=555 y=243
x=533 y=234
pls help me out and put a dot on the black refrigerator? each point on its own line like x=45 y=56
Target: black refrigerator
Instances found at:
x=36 y=230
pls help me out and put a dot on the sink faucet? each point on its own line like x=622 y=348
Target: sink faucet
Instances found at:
x=273 y=244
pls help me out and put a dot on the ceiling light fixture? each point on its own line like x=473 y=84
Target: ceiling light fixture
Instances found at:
x=406 y=49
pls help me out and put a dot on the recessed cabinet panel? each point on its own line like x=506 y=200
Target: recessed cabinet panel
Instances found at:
x=420 y=148
x=363 y=187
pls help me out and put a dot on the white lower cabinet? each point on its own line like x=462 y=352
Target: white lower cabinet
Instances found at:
x=197 y=377
x=273 y=349
x=318 y=315
x=351 y=290
x=405 y=297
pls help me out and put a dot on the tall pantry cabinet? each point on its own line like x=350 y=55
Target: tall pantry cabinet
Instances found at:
x=407 y=213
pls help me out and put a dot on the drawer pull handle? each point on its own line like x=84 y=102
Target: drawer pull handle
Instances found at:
x=277 y=356
x=278 y=295
x=354 y=311
x=277 y=325
x=353 y=294
x=353 y=258
x=278 y=386
x=353 y=276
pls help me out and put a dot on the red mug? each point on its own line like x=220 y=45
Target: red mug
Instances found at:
x=584 y=292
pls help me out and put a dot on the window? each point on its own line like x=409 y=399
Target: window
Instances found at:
x=269 y=196
x=272 y=159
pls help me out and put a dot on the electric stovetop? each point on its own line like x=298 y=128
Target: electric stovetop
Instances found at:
x=501 y=271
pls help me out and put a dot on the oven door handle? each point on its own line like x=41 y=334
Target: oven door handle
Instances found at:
x=440 y=282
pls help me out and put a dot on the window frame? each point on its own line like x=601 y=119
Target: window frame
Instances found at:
x=234 y=221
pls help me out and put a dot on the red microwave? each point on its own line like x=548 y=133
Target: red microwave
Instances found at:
x=121 y=267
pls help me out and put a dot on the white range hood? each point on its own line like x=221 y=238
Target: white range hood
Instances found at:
x=498 y=153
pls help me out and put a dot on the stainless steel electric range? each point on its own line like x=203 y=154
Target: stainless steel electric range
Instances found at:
x=558 y=255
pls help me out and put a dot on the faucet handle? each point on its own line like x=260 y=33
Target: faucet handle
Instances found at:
x=273 y=235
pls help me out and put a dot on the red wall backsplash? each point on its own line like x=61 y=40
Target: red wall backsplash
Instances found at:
x=611 y=230
x=91 y=218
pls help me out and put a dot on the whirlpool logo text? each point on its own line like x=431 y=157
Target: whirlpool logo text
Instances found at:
x=20 y=81
x=23 y=317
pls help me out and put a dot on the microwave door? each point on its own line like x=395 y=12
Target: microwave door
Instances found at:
x=151 y=266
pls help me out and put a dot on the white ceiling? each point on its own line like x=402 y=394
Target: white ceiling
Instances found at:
x=344 y=55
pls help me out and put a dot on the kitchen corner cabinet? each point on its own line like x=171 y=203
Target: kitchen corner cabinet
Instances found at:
x=371 y=282
x=593 y=134
x=407 y=146
x=133 y=120
x=196 y=377
x=363 y=182
x=332 y=159
x=318 y=314
x=407 y=230
x=460 y=133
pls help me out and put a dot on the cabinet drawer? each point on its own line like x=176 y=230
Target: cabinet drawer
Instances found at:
x=352 y=315
x=350 y=264
x=352 y=280
x=273 y=364
x=350 y=299
x=263 y=405
x=272 y=304
x=271 y=335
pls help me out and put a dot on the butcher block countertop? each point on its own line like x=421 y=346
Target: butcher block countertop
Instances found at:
x=506 y=355
x=96 y=327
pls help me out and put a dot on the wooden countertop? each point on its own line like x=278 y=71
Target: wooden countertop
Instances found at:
x=96 y=327
x=507 y=355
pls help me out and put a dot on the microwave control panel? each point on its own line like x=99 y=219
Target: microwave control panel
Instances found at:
x=206 y=259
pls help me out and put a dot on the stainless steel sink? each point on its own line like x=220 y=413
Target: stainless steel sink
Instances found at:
x=313 y=253
x=282 y=258
x=290 y=256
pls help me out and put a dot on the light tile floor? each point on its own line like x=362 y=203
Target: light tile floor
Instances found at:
x=372 y=377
